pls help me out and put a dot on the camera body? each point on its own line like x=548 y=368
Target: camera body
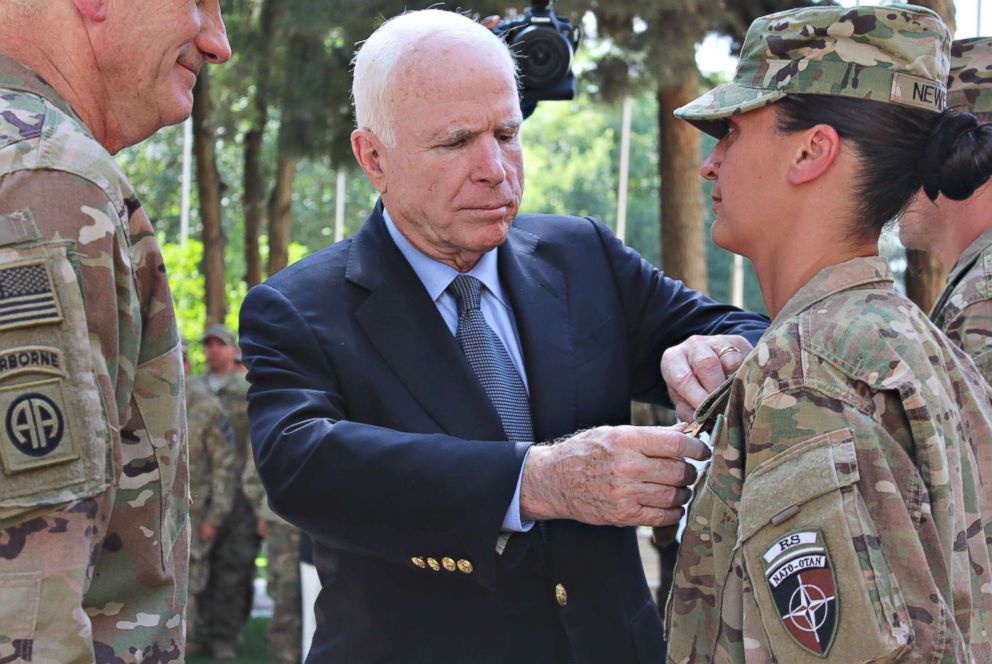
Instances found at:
x=545 y=44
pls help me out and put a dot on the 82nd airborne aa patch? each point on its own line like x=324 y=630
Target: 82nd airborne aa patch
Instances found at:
x=800 y=577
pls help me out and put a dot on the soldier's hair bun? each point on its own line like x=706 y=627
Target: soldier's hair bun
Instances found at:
x=900 y=149
x=957 y=159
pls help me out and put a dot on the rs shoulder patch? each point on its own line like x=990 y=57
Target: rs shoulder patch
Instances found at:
x=800 y=576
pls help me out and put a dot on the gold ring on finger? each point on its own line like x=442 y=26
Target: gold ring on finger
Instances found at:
x=727 y=349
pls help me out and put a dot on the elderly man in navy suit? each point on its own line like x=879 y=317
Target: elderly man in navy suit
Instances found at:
x=416 y=390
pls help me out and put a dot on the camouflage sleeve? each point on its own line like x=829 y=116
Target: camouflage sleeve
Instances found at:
x=256 y=492
x=62 y=249
x=222 y=448
x=824 y=478
x=971 y=330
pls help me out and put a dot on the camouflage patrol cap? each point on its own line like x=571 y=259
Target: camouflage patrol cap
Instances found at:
x=969 y=85
x=896 y=54
x=219 y=332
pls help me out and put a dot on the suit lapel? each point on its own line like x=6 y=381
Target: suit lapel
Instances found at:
x=404 y=325
x=539 y=296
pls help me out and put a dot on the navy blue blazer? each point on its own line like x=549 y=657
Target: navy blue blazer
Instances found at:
x=371 y=433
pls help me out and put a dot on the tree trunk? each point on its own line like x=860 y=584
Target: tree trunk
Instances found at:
x=253 y=198
x=683 y=241
x=208 y=185
x=281 y=213
x=925 y=277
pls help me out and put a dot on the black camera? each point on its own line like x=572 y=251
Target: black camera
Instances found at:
x=545 y=44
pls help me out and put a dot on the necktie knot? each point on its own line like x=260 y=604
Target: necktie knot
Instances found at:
x=467 y=291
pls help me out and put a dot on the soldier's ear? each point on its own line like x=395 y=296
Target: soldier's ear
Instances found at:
x=93 y=10
x=817 y=148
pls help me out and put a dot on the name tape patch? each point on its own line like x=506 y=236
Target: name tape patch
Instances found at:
x=799 y=574
x=918 y=92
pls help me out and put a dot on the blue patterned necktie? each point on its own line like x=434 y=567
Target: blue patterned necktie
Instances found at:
x=490 y=361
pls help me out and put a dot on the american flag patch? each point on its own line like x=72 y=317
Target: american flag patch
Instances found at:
x=27 y=296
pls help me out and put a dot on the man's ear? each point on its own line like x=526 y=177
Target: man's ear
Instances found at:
x=93 y=10
x=815 y=153
x=369 y=151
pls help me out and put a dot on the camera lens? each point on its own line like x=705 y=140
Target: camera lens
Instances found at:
x=545 y=56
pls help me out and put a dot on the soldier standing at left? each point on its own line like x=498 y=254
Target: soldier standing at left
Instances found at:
x=229 y=591
x=94 y=537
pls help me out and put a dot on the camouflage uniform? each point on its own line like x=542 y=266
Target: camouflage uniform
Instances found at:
x=845 y=472
x=282 y=544
x=213 y=482
x=964 y=310
x=896 y=54
x=228 y=597
x=94 y=537
x=845 y=513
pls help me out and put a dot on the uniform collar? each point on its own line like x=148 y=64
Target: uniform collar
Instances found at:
x=969 y=256
x=15 y=76
x=834 y=279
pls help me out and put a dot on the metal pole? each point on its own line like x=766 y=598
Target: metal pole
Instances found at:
x=339 y=207
x=187 y=180
x=628 y=104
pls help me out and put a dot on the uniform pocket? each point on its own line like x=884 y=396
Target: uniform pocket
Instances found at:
x=813 y=557
x=55 y=440
x=20 y=598
x=159 y=402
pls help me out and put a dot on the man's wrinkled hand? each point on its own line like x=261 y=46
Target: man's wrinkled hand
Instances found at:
x=699 y=365
x=620 y=476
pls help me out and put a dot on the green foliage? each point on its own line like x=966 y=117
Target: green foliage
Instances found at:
x=186 y=281
x=571 y=154
x=571 y=157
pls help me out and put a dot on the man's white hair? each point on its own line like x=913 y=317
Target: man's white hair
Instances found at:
x=383 y=55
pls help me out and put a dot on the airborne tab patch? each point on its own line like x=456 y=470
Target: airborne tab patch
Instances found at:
x=801 y=579
x=27 y=296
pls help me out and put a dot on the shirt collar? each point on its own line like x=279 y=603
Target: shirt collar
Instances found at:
x=15 y=76
x=970 y=255
x=834 y=279
x=435 y=275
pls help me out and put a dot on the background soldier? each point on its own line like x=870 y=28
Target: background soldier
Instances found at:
x=213 y=482
x=959 y=233
x=93 y=474
x=282 y=545
x=228 y=595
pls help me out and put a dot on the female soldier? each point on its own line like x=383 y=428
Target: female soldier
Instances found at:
x=844 y=514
